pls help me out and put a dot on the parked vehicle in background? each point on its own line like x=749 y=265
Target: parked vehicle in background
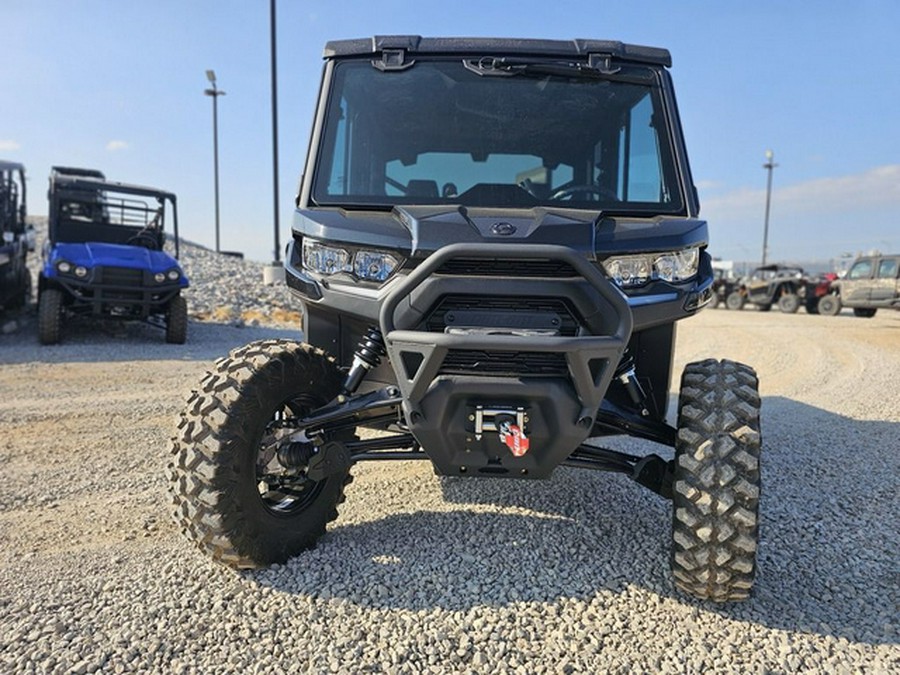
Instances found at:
x=104 y=255
x=16 y=237
x=769 y=285
x=724 y=284
x=813 y=290
x=871 y=283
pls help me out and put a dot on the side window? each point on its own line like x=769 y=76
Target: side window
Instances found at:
x=640 y=173
x=861 y=270
x=887 y=269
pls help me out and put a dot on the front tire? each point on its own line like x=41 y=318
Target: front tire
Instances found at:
x=735 y=300
x=176 y=321
x=789 y=303
x=50 y=313
x=221 y=470
x=716 y=487
x=829 y=305
x=23 y=295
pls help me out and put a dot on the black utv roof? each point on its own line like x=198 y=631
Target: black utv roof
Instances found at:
x=69 y=182
x=10 y=166
x=77 y=171
x=489 y=46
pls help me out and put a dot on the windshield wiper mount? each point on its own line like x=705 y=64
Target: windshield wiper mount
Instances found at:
x=597 y=65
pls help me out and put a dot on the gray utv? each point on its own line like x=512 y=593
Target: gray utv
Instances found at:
x=492 y=244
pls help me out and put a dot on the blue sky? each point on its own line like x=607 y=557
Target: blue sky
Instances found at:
x=119 y=86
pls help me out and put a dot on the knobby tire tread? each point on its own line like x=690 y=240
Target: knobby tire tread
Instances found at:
x=212 y=439
x=50 y=316
x=716 y=491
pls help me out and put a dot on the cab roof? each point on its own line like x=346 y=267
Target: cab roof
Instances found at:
x=69 y=182
x=11 y=166
x=417 y=44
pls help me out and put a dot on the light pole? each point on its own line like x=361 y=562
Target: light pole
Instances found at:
x=274 y=128
x=769 y=165
x=215 y=93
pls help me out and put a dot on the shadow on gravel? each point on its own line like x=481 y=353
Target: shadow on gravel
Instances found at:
x=827 y=559
x=87 y=340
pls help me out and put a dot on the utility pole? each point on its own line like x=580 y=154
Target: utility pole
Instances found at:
x=215 y=93
x=768 y=166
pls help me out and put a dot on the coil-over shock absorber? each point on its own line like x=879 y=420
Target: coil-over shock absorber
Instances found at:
x=625 y=373
x=367 y=356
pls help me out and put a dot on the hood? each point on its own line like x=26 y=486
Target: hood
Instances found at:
x=421 y=230
x=95 y=254
x=92 y=254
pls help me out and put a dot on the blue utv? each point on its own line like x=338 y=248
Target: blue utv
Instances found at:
x=16 y=238
x=104 y=255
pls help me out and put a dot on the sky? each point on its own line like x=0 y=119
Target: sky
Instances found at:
x=118 y=86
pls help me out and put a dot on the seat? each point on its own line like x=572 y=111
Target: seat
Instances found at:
x=422 y=188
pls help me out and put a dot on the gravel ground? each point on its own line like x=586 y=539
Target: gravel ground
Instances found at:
x=421 y=574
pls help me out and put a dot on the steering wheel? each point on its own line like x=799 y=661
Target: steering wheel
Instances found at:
x=599 y=193
x=145 y=239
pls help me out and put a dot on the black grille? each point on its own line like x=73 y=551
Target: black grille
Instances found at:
x=508 y=267
x=557 y=307
x=473 y=362
x=121 y=276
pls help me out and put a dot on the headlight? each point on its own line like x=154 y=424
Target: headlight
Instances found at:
x=325 y=259
x=373 y=265
x=64 y=266
x=81 y=271
x=159 y=277
x=634 y=270
x=173 y=274
x=365 y=264
x=678 y=265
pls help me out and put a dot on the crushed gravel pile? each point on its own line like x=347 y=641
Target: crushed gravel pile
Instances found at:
x=427 y=575
x=226 y=289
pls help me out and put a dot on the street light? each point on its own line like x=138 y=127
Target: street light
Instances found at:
x=275 y=271
x=215 y=93
x=769 y=165
x=277 y=260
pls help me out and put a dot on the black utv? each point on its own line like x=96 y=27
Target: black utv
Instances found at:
x=492 y=244
x=17 y=238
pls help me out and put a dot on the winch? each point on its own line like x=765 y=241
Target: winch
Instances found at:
x=508 y=423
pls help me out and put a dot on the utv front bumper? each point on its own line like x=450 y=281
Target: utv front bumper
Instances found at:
x=460 y=385
x=118 y=292
x=502 y=368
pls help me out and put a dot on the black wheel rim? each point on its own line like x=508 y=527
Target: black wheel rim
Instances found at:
x=284 y=494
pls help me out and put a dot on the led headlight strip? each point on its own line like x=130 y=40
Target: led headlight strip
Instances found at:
x=366 y=264
x=634 y=270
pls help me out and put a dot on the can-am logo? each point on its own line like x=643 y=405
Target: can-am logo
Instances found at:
x=503 y=229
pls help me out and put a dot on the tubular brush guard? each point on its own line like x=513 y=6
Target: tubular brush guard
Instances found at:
x=561 y=411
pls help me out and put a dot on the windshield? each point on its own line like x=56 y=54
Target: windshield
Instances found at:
x=439 y=132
